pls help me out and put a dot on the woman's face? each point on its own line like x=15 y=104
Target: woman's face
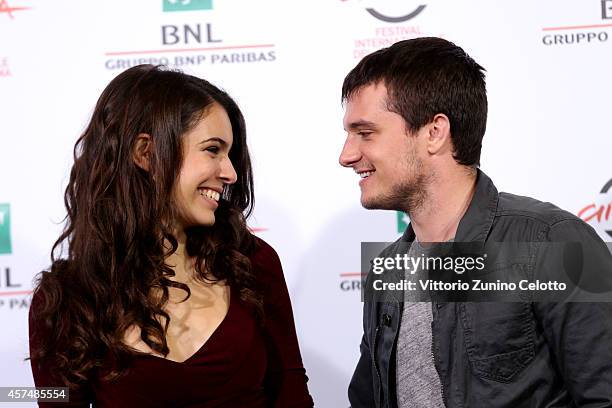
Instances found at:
x=206 y=168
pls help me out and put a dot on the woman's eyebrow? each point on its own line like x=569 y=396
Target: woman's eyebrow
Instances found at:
x=214 y=139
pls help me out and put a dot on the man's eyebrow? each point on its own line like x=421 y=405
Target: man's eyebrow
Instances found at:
x=214 y=139
x=362 y=124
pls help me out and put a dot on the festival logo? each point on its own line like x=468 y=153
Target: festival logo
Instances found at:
x=395 y=19
x=599 y=212
x=5 y=8
x=583 y=33
x=396 y=23
x=391 y=11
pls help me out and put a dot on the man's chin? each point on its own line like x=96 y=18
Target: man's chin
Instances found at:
x=375 y=204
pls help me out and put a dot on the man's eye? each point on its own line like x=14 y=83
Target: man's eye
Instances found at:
x=364 y=134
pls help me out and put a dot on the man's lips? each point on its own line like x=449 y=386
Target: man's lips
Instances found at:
x=364 y=173
x=365 y=176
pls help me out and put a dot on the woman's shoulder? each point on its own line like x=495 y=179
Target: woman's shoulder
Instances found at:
x=266 y=263
x=263 y=252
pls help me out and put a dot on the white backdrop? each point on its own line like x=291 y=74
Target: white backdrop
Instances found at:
x=548 y=135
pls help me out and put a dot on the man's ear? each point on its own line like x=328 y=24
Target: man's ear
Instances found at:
x=439 y=137
x=142 y=151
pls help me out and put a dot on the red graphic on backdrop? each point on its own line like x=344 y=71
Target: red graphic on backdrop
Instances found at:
x=599 y=214
x=593 y=212
x=6 y=8
x=255 y=230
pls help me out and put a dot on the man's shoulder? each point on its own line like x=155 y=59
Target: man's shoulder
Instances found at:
x=530 y=216
x=512 y=205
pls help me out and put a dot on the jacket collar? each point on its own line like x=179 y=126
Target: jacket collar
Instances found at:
x=478 y=219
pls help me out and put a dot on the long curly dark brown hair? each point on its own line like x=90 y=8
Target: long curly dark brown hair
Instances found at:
x=120 y=220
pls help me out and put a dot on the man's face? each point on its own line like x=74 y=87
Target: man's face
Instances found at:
x=379 y=148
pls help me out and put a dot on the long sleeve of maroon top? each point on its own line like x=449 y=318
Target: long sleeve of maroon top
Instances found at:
x=241 y=365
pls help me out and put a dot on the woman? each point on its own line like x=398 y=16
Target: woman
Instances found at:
x=164 y=298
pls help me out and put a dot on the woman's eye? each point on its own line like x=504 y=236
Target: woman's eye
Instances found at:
x=213 y=149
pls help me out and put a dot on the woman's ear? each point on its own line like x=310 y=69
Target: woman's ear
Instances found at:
x=142 y=151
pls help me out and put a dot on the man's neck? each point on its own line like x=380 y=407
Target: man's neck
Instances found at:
x=448 y=199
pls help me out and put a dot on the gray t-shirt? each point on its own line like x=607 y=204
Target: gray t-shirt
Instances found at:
x=417 y=381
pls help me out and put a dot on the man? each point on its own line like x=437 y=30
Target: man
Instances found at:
x=415 y=117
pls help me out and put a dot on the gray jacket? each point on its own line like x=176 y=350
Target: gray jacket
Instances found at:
x=505 y=354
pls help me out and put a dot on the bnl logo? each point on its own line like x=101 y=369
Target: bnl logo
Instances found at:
x=5 y=229
x=187 y=5
x=606 y=9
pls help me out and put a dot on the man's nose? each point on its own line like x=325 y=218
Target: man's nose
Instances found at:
x=350 y=152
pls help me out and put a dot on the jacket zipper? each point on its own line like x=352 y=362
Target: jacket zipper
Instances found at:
x=433 y=356
x=373 y=351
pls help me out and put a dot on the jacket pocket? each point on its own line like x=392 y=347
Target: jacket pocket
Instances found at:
x=499 y=338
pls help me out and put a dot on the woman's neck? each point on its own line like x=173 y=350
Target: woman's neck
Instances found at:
x=179 y=261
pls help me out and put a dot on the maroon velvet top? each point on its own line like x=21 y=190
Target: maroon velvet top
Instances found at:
x=241 y=364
